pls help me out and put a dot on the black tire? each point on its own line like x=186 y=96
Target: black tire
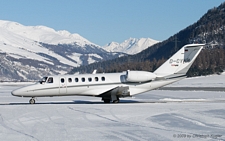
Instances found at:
x=32 y=101
x=106 y=100
x=116 y=101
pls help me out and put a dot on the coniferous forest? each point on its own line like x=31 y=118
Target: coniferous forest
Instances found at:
x=209 y=29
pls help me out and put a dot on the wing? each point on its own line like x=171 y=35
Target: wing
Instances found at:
x=117 y=91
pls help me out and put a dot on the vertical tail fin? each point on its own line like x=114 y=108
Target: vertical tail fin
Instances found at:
x=180 y=62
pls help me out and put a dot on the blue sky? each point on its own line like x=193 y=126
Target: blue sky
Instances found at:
x=104 y=21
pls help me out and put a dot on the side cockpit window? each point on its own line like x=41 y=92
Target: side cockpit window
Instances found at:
x=43 y=80
x=50 y=80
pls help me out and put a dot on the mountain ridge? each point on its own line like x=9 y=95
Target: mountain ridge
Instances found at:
x=130 y=46
x=44 y=34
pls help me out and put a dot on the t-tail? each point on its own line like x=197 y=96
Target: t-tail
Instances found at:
x=180 y=62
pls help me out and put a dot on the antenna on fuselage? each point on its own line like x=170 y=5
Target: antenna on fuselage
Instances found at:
x=94 y=72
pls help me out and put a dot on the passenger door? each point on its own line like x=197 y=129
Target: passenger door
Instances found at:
x=62 y=85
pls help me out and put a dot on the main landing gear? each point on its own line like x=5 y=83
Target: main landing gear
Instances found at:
x=116 y=101
x=106 y=100
x=32 y=100
x=109 y=100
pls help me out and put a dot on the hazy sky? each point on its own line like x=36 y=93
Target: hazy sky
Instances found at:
x=104 y=21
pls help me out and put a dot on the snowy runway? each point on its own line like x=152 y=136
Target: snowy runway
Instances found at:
x=155 y=115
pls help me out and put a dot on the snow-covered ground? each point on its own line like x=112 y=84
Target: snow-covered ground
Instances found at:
x=201 y=81
x=155 y=115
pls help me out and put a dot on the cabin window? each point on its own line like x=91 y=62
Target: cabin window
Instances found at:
x=62 y=80
x=69 y=80
x=50 y=80
x=83 y=79
x=96 y=78
x=103 y=78
x=89 y=79
x=76 y=79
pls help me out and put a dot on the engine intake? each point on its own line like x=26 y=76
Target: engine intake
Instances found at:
x=139 y=76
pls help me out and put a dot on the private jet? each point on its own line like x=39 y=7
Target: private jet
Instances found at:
x=110 y=87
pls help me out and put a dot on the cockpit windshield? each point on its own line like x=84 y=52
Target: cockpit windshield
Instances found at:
x=43 y=79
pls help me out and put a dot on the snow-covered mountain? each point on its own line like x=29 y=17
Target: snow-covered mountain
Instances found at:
x=30 y=52
x=44 y=34
x=130 y=46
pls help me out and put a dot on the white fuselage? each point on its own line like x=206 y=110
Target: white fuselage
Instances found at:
x=88 y=85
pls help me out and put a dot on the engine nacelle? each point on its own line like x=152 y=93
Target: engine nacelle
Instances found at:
x=139 y=76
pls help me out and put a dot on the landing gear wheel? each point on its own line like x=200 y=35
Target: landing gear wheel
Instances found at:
x=116 y=101
x=106 y=100
x=32 y=101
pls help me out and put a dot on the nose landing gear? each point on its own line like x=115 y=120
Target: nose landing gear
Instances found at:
x=32 y=100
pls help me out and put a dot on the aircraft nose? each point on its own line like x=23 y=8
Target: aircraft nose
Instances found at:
x=16 y=92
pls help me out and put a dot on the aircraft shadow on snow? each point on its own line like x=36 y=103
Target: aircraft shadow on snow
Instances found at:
x=72 y=102
x=121 y=102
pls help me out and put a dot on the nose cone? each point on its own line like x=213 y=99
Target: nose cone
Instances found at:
x=25 y=91
x=20 y=92
x=16 y=92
